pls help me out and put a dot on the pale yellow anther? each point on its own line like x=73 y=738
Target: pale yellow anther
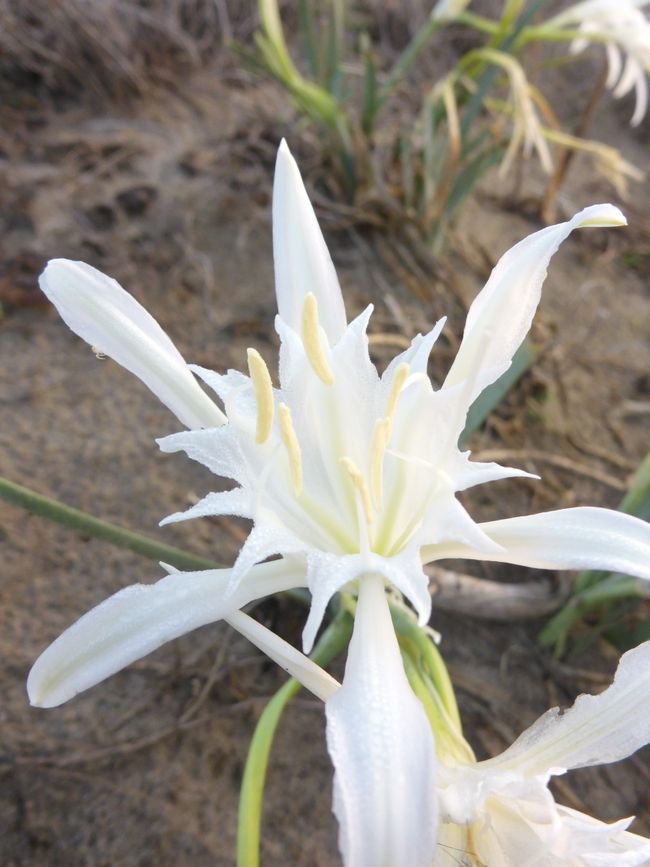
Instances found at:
x=378 y=443
x=312 y=340
x=360 y=484
x=261 y=379
x=291 y=444
x=399 y=379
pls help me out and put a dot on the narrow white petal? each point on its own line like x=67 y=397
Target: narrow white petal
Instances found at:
x=295 y=663
x=501 y=314
x=580 y=538
x=236 y=502
x=417 y=354
x=138 y=619
x=614 y=64
x=631 y=72
x=641 y=105
x=329 y=573
x=266 y=539
x=382 y=749
x=469 y=473
x=223 y=384
x=302 y=260
x=96 y=308
x=326 y=575
x=596 y=730
x=218 y=449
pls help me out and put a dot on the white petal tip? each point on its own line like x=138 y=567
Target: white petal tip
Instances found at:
x=39 y=696
x=601 y=215
x=56 y=275
x=307 y=641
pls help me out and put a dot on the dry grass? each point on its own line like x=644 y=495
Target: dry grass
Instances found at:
x=112 y=48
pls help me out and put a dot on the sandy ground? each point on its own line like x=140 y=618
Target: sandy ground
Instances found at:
x=173 y=199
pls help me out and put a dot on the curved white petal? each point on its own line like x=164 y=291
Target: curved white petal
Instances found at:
x=235 y=502
x=295 y=663
x=417 y=354
x=501 y=314
x=580 y=538
x=329 y=573
x=614 y=64
x=596 y=730
x=618 y=847
x=468 y=473
x=96 y=308
x=218 y=449
x=382 y=748
x=631 y=72
x=641 y=104
x=302 y=260
x=138 y=619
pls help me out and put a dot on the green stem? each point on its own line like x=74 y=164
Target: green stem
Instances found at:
x=87 y=525
x=333 y=641
x=545 y=33
x=432 y=662
x=478 y=22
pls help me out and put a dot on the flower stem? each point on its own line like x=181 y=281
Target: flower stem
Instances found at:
x=424 y=649
x=87 y=525
x=332 y=642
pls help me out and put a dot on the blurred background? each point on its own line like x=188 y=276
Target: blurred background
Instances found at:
x=141 y=137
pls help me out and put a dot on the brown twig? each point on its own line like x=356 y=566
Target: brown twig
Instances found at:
x=493 y=600
x=565 y=157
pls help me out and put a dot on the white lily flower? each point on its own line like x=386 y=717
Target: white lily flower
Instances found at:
x=449 y=9
x=500 y=812
x=348 y=475
x=625 y=32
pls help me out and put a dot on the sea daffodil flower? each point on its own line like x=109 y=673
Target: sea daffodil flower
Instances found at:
x=500 y=812
x=624 y=30
x=352 y=478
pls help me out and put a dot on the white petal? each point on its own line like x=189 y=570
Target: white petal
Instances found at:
x=138 y=619
x=614 y=64
x=302 y=260
x=295 y=663
x=631 y=72
x=641 y=105
x=96 y=308
x=596 y=730
x=326 y=575
x=266 y=539
x=382 y=748
x=218 y=449
x=236 y=502
x=469 y=473
x=223 y=384
x=607 y=844
x=329 y=573
x=501 y=314
x=580 y=538
x=417 y=354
